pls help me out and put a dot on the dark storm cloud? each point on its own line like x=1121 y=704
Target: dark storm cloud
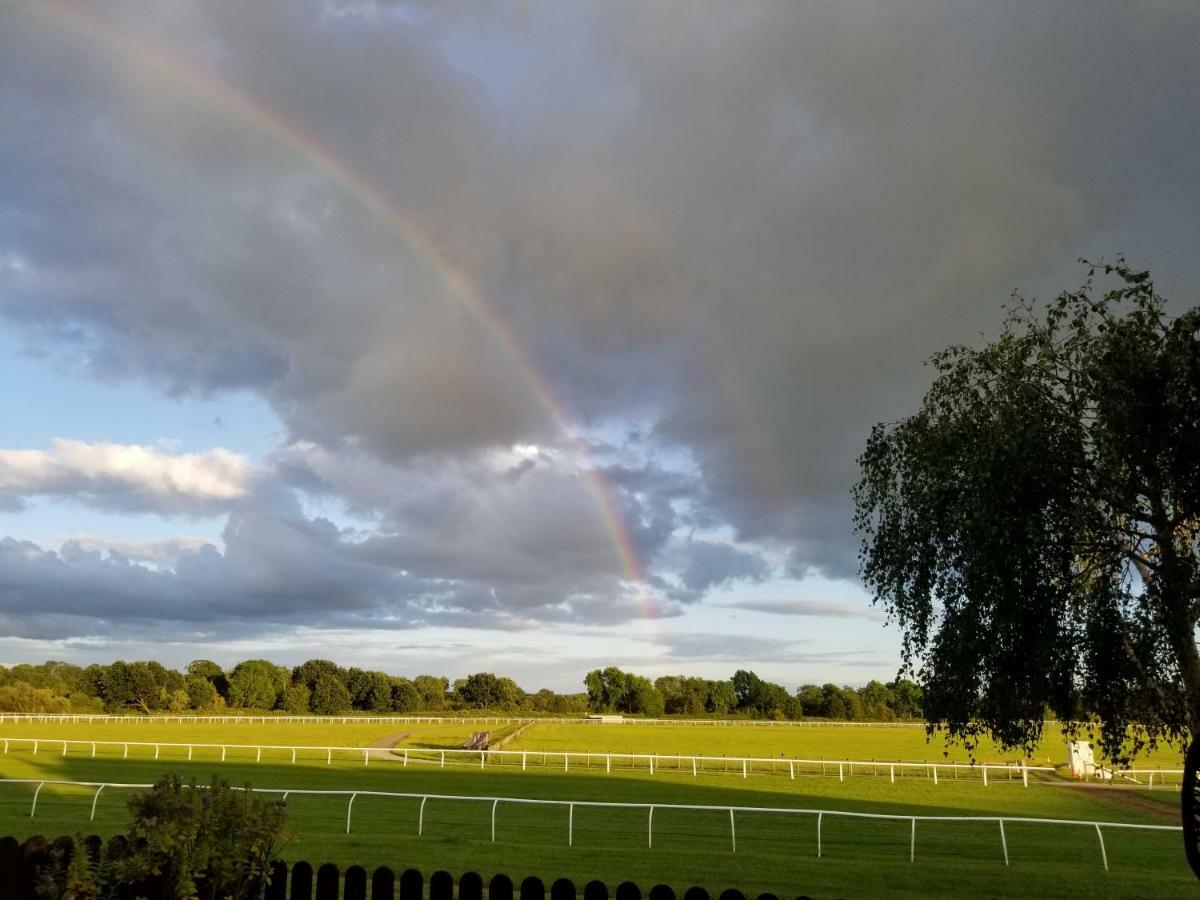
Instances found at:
x=534 y=545
x=705 y=565
x=274 y=572
x=735 y=229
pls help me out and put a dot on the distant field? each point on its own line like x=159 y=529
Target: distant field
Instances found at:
x=813 y=742
x=862 y=858
x=863 y=742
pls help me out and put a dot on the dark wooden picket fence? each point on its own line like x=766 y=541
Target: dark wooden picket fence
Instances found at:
x=23 y=867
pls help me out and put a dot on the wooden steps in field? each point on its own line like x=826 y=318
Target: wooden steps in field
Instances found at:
x=478 y=741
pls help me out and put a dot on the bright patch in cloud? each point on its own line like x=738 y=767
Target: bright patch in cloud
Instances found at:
x=128 y=477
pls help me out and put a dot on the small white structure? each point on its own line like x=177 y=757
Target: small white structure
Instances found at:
x=607 y=720
x=1083 y=761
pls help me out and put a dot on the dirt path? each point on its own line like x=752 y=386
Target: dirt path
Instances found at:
x=383 y=746
x=1130 y=798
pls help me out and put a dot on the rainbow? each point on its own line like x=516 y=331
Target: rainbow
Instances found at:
x=202 y=86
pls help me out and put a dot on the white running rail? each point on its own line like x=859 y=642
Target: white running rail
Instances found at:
x=1131 y=775
x=709 y=765
x=820 y=814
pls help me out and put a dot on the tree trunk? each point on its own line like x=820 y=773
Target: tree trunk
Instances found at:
x=1174 y=585
x=1190 y=804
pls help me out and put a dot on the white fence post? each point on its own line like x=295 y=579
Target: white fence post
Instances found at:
x=1103 y=852
x=328 y=755
x=912 y=841
x=985 y=776
x=935 y=774
x=495 y=803
x=1003 y=841
x=349 y=807
x=571 y=825
x=421 y=817
x=893 y=768
x=841 y=777
x=819 y=817
x=732 y=832
x=649 y=826
x=33 y=808
x=64 y=753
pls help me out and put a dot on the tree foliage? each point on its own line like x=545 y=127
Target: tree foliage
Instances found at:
x=215 y=838
x=1033 y=527
x=257 y=684
x=330 y=696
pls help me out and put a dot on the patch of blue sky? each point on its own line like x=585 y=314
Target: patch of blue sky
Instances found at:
x=44 y=401
x=50 y=522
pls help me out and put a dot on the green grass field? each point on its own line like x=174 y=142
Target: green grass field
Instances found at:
x=774 y=852
x=830 y=742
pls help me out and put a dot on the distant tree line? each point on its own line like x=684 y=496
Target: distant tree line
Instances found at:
x=612 y=690
x=323 y=687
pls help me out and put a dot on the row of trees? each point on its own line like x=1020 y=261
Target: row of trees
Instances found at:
x=322 y=686
x=317 y=686
x=746 y=694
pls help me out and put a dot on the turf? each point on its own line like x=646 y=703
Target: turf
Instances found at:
x=774 y=852
x=815 y=742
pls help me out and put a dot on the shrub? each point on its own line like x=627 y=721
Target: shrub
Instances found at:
x=218 y=836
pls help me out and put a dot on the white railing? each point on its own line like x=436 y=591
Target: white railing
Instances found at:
x=428 y=719
x=1131 y=775
x=649 y=807
x=708 y=765
x=259 y=720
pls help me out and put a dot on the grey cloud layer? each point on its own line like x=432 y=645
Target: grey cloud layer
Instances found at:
x=484 y=543
x=740 y=226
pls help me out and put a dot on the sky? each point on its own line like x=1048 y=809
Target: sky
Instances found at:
x=526 y=337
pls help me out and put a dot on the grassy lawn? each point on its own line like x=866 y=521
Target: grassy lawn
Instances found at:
x=816 y=742
x=774 y=852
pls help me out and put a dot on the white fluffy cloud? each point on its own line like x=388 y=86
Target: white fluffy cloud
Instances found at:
x=128 y=477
